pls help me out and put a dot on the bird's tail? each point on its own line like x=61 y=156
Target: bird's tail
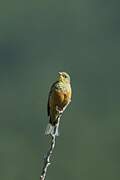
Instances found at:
x=52 y=129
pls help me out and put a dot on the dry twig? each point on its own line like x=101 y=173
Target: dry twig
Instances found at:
x=50 y=151
x=47 y=158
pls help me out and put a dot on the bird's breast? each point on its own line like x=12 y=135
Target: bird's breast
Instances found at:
x=62 y=94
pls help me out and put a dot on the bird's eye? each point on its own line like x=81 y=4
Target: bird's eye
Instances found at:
x=64 y=76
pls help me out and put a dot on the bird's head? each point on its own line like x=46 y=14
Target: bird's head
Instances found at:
x=63 y=77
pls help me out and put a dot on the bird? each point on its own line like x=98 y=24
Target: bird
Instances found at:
x=58 y=99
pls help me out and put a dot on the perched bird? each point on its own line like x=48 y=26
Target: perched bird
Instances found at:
x=59 y=98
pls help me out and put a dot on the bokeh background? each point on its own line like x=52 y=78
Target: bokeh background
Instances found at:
x=37 y=39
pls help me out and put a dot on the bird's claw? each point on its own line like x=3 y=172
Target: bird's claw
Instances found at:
x=60 y=111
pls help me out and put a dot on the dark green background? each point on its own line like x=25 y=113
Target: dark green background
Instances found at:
x=37 y=39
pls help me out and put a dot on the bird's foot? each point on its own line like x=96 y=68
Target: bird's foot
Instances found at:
x=60 y=111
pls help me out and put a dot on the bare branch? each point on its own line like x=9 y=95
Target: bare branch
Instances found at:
x=50 y=151
x=47 y=158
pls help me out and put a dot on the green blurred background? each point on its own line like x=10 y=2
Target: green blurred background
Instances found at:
x=38 y=39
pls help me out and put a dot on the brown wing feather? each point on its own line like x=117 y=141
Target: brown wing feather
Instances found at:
x=48 y=104
x=48 y=108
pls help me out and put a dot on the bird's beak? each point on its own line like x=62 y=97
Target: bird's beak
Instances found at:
x=60 y=73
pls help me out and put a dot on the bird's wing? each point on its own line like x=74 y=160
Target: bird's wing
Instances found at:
x=51 y=90
x=48 y=107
